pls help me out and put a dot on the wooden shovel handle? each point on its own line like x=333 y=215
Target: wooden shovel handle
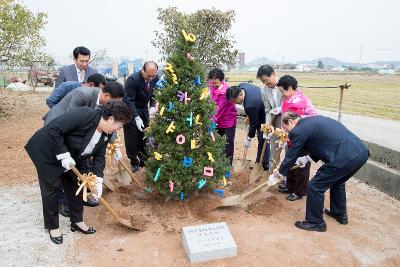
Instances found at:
x=102 y=201
x=246 y=194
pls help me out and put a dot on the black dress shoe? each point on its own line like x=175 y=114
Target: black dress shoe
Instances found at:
x=342 y=219
x=305 y=225
x=293 y=197
x=57 y=239
x=282 y=185
x=90 y=203
x=75 y=227
x=134 y=168
x=142 y=163
x=284 y=190
x=63 y=209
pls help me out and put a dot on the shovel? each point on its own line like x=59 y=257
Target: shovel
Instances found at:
x=121 y=163
x=122 y=221
x=123 y=176
x=241 y=164
x=236 y=199
x=258 y=170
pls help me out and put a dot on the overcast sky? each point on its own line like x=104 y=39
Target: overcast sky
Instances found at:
x=293 y=29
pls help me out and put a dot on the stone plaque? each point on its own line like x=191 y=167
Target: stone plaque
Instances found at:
x=208 y=242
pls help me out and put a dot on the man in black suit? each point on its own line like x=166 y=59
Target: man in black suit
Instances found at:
x=138 y=93
x=249 y=96
x=343 y=155
x=77 y=135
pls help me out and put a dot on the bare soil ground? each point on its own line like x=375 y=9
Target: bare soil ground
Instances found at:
x=262 y=226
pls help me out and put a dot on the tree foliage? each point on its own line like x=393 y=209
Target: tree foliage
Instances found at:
x=215 y=45
x=191 y=119
x=20 y=36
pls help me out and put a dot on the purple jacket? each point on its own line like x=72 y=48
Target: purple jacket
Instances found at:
x=226 y=113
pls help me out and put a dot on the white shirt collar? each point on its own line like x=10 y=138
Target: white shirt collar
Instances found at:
x=98 y=99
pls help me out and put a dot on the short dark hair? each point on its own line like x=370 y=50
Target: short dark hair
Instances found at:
x=81 y=50
x=115 y=89
x=289 y=115
x=118 y=109
x=286 y=81
x=233 y=92
x=266 y=70
x=216 y=73
x=147 y=63
x=97 y=79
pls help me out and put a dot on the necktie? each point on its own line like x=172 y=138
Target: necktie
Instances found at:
x=81 y=77
x=147 y=87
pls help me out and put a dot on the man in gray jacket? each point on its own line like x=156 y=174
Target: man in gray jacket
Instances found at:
x=80 y=70
x=272 y=99
x=86 y=97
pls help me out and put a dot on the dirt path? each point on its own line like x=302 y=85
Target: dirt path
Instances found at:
x=263 y=226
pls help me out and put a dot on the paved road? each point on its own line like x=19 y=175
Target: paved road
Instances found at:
x=378 y=131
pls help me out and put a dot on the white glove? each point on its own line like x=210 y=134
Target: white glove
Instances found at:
x=302 y=161
x=272 y=180
x=99 y=188
x=117 y=154
x=247 y=142
x=152 y=112
x=139 y=123
x=278 y=175
x=66 y=162
x=276 y=111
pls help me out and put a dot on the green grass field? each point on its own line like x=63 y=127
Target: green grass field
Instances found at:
x=370 y=94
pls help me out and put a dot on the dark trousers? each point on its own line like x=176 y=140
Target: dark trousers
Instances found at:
x=135 y=144
x=50 y=203
x=230 y=141
x=50 y=196
x=297 y=180
x=261 y=140
x=333 y=178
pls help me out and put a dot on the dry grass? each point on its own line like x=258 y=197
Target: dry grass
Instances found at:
x=370 y=94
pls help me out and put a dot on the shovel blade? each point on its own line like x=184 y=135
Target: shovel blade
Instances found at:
x=255 y=173
x=124 y=178
x=237 y=165
x=108 y=183
x=230 y=201
x=128 y=224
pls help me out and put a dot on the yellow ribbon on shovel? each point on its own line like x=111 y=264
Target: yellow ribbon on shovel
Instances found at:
x=89 y=180
x=111 y=148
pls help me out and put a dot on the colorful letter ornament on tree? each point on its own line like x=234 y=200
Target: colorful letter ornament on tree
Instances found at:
x=183 y=139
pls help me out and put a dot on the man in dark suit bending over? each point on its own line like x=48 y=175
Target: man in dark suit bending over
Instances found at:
x=343 y=155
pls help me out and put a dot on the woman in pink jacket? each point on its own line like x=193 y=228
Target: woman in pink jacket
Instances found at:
x=295 y=101
x=226 y=113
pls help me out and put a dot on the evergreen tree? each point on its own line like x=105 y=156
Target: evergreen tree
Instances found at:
x=186 y=153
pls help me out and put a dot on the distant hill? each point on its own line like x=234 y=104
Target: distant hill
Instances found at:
x=328 y=61
x=396 y=63
x=261 y=61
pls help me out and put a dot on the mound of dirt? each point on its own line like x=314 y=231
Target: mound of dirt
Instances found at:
x=266 y=206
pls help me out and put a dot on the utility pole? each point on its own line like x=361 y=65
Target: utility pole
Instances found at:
x=359 y=60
